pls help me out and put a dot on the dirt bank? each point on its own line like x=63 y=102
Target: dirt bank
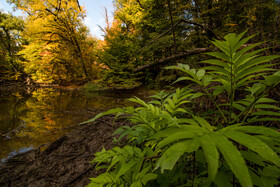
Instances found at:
x=65 y=162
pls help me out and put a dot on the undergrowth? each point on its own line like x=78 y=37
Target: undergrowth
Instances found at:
x=170 y=144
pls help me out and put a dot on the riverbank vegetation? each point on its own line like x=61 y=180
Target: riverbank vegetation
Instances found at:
x=177 y=141
x=51 y=43
x=219 y=128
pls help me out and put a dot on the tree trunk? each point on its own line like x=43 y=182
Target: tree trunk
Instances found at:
x=172 y=25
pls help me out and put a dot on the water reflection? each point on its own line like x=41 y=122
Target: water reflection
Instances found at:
x=42 y=116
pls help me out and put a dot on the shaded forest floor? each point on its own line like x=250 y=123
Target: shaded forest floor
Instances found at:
x=65 y=162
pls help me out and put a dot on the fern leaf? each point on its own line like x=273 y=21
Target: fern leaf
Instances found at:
x=240 y=53
x=255 y=70
x=203 y=123
x=219 y=55
x=222 y=46
x=211 y=154
x=253 y=157
x=179 y=129
x=111 y=111
x=172 y=154
x=233 y=158
x=254 y=62
x=125 y=167
x=239 y=42
x=255 y=145
x=139 y=101
x=222 y=180
x=258 y=130
x=177 y=137
x=266 y=113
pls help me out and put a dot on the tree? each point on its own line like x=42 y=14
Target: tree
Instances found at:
x=57 y=27
x=10 y=28
x=162 y=29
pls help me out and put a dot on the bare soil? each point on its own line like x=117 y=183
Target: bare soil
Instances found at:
x=65 y=162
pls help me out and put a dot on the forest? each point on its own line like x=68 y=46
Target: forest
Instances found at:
x=216 y=120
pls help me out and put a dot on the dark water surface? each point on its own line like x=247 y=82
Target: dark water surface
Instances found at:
x=28 y=120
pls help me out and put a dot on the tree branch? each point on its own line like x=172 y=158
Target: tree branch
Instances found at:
x=173 y=57
x=79 y=5
x=140 y=4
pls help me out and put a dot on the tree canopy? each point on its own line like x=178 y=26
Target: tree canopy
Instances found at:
x=144 y=36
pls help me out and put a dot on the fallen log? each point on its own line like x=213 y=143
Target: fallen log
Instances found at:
x=173 y=57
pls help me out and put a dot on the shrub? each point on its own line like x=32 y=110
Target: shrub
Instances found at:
x=170 y=144
x=90 y=87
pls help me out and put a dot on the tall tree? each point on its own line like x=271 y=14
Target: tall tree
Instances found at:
x=10 y=43
x=57 y=27
x=156 y=26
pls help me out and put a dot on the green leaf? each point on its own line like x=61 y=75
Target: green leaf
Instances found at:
x=220 y=55
x=125 y=167
x=271 y=171
x=241 y=42
x=136 y=184
x=263 y=119
x=176 y=137
x=176 y=129
x=233 y=158
x=219 y=70
x=258 y=130
x=171 y=104
x=253 y=157
x=222 y=46
x=217 y=63
x=238 y=107
x=203 y=123
x=266 y=100
x=266 y=106
x=266 y=113
x=222 y=180
x=168 y=108
x=139 y=101
x=256 y=69
x=254 y=62
x=200 y=73
x=255 y=145
x=256 y=88
x=172 y=154
x=111 y=111
x=211 y=154
x=102 y=179
x=155 y=102
x=273 y=79
x=148 y=177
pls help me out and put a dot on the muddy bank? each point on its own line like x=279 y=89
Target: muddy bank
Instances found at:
x=65 y=162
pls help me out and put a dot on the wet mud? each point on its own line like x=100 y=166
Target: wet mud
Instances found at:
x=65 y=162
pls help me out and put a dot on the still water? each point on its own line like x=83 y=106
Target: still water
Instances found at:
x=28 y=120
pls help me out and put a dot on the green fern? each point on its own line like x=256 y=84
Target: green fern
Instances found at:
x=224 y=147
x=128 y=165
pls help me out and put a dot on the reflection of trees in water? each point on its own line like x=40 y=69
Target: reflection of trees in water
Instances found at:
x=40 y=116
x=11 y=109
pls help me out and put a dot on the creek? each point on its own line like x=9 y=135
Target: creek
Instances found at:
x=42 y=115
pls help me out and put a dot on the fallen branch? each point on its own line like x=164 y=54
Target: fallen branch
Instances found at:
x=175 y=25
x=173 y=57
